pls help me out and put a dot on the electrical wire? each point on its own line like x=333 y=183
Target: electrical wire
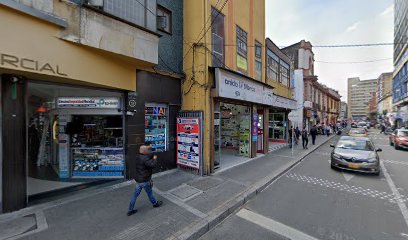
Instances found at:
x=154 y=14
x=218 y=13
x=367 y=61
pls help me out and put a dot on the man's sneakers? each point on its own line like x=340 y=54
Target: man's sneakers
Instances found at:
x=158 y=204
x=130 y=213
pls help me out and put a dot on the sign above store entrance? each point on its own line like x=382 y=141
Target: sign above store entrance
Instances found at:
x=88 y=102
x=234 y=86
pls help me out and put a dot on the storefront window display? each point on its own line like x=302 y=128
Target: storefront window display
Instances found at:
x=75 y=135
x=235 y=129
x=156 y=127
x=277 y=126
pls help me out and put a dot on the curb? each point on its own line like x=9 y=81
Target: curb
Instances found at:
x=201 y=227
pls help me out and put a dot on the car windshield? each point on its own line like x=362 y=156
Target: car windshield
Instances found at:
x=402 y=133
x=359 y=131
x=355 y=144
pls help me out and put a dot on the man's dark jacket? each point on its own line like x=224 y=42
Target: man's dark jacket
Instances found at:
x=313 y=131
x=144 y=167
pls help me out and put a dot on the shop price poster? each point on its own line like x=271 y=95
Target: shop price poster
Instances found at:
x=188 y=142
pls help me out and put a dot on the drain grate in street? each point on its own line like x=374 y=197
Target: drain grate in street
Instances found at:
x=22 y=226
x=185 y=192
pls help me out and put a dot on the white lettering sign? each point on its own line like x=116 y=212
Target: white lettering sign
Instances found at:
x=88 y=102
x=234 y=86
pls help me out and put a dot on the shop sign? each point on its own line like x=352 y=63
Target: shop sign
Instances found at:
x=188 y=142
x=307 y=104
x=242 y=63
x=284 y=103
x=157 y=111
x=88 y=102
x=132 y=102
x=233 y=86
x=8 y=60
x=255 y=120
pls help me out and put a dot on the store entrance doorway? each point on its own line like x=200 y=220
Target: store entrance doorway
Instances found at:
x=232 y=134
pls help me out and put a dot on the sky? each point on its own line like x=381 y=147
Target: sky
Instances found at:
x=336 y=22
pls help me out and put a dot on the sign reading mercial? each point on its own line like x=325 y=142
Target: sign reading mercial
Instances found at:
x=88 y=102
x=233 y=86
x=284 y=103
x=33 y=65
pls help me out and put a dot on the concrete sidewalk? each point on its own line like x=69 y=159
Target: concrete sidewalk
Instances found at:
x=192 y=204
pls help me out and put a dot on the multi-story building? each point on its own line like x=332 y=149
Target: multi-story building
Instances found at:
x=359 y=94
x=343 y=111
x=400 y=76
x=278 y=75
x=85 y=78
x=384 y=95
x=320 y=103
x=302 y=57
x=225 y=62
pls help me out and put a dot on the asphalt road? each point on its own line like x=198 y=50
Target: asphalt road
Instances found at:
x=312 y=201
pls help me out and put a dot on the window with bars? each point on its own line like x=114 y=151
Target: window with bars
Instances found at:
x=164 y=19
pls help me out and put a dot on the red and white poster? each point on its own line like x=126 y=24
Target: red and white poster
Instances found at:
x=188 y=142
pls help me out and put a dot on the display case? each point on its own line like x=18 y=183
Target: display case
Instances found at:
x=94 y=162
x=156 y=128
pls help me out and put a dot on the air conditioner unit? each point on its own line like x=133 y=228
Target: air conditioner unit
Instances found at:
x=96 y=3
x=161 y=22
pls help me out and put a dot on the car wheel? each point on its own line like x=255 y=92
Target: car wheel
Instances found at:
x=396 y=146
x=390 y=143
x=377 y=173
x=333 y=167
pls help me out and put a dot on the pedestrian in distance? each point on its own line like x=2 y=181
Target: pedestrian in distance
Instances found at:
x=313 y=133
x=305 y=138
x=145 y=162
x=328 y=131
x=290 y=138
x=297 y=133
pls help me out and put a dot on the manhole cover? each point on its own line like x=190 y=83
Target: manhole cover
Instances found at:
x=207 y=183
x=185 y=192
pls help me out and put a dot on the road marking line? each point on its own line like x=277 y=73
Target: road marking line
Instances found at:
x=397 y=195
x=272 y=225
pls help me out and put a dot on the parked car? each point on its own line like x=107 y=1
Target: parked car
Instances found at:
x=358 y=132
x=399 y=139
x=355 y=154
x=353 y=125
x=362 y=125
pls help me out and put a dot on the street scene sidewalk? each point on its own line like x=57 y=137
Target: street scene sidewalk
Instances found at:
x=192 y=204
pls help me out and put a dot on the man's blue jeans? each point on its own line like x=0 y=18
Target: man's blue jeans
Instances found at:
x=148 y=188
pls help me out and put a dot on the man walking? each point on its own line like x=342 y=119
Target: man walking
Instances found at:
x=305 y=138
x=313 y=132
x=297 y=133
x=145 y=162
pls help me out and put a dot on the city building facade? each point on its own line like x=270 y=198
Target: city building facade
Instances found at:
x=400 y=77
x=359 y=94
x=224 y=49
x=81 y=79
x=279 y=74
x=384 y=95
x=343 y=111
x=320 y=103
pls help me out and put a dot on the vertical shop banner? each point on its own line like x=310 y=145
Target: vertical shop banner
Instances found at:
x=255 y=120
x=188 y=142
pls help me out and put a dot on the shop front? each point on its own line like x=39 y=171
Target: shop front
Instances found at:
x=278 y=119
x=63 y=118
x=240 y=115
x=75 y=136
